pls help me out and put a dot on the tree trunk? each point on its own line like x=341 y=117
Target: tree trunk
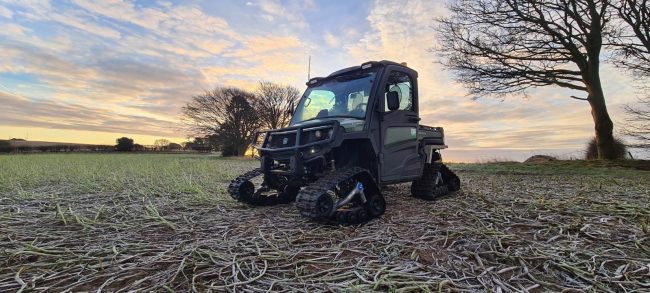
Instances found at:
x=604 y=127
x=241 y=149
x=603 y=124
x=591 y=75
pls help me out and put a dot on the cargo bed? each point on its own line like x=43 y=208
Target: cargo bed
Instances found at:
x=432 y=136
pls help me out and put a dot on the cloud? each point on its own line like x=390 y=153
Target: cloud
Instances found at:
x=124 y=11
x=273 y=10
x=107 y=81
x=403 y=31
x=282 y=57
x=51 y=68
x=4 y=12
x=264 y=44
x=141 y=62
x=186 y=30
x=79 y=21
x=331 y=40
x=13 y=30
x=24 y=112
x=117 y=65
x=75 y=18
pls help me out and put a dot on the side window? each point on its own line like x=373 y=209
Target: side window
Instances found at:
x=401 y=83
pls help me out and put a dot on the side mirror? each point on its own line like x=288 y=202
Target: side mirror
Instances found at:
x=392 y=100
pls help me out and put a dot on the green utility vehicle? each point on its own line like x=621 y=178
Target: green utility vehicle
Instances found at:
x=352 y=133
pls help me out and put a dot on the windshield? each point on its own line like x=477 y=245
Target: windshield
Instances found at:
x=343 y=96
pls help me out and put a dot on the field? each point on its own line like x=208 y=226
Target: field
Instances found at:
x=121 y=222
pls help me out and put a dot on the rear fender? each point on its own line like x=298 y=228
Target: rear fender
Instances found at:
x=369 y=182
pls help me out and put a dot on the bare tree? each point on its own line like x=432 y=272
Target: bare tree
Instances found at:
x=500 y=47
x=161 y=144
x=274 y=103
x=633 y=39
x=637 y=125
x=225 y=113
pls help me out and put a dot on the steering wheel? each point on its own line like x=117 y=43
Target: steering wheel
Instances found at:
x=359 y=107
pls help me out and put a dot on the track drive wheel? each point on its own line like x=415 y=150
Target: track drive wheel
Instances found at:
x=376 y=205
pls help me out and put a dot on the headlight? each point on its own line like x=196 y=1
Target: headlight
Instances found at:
x=314 y=135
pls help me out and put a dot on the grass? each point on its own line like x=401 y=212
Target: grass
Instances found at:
x=123 y=222
x=133 y=174
x=621 y=168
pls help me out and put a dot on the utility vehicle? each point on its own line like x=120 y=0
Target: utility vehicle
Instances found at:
x=352 y=133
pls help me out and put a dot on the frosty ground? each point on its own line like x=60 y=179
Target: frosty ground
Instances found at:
x=120 y=222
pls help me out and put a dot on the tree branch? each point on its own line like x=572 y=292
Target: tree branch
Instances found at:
x=578 y=98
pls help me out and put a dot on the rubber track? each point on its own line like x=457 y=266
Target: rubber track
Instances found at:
x=235 y=184
x=257 y=198
x=308 y=196
x=450 y=178
x=425 y=188
x=353 y=216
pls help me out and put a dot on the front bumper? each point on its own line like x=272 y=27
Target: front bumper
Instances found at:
x=288 y=151
x=296 y=140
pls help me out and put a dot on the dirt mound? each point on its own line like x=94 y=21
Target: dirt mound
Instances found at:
x=540 y=159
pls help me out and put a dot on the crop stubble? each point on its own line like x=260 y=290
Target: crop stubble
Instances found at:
x=502 y=232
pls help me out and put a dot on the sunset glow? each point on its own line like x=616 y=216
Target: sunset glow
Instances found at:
x=91 y=71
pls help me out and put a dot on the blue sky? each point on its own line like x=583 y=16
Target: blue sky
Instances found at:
x=90 y=71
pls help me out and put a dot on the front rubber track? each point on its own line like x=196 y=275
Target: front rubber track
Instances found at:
x=311 y=200
x=243 y=190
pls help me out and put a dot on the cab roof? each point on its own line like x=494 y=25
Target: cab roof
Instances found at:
x=349 y=70
x=354 y=68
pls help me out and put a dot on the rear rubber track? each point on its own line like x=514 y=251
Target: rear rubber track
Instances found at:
x=450 y=178
x=425 y=187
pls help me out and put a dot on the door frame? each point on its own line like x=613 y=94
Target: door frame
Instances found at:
x=404 y=118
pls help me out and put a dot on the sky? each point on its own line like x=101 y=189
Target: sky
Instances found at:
x=91 y=71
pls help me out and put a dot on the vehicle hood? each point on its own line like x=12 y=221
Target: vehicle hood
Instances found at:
x=349 y=124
